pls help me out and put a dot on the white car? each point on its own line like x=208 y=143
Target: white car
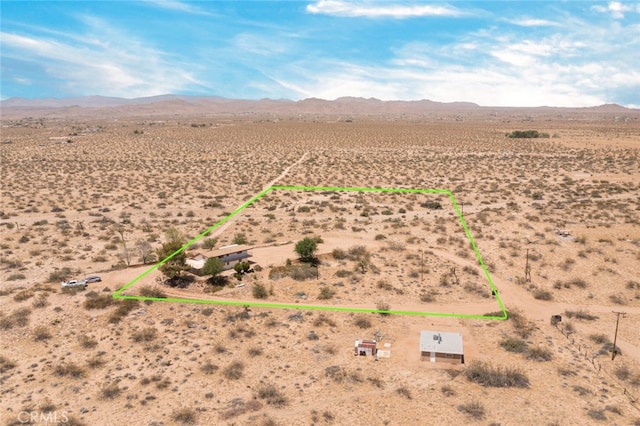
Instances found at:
x=75 y=283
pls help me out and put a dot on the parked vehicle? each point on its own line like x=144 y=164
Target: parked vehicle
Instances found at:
x=93 y=279
x=75 y=283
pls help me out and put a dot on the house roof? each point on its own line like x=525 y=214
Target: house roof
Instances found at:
x=436 y=341
x=234 y=248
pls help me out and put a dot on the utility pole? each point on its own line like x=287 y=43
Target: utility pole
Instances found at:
x=527 y=270
x=615 y=338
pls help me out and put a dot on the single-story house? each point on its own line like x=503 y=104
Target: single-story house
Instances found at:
x=365 y=348
x=441 y=347
x=229 y=255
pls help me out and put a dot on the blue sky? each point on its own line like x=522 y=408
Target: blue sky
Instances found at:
x=504 y=53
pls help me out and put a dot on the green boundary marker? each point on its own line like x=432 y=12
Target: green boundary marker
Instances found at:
x=118 y=294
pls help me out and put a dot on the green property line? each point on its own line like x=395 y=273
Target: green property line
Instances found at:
x=118 y=294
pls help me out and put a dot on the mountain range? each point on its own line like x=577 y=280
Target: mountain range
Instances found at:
x=207 y=105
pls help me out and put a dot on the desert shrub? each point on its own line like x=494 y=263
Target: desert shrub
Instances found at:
x=538 y=353
x=41 y=333
x=234 y=370
x=427 y=297
x=361 y=321
x=432 y=205
x=40 y=301
x=343 y=273
x=23 y=295
x=581 y=315
x=19 y=318
x=527 y=134
x=512 y=344
x=99 y=302
x=542 y=294
x=6 y=364
x=404 y=392
x=145 y=335
x=487 y=375
x=581 y=390
x=152 y=291
x=209 y=243
x=260 y=291
x=184 y=416
x=96 y=362
x=383 y=307
x=473 y=409
x=613 y=409
x=323 y=319
x=87 y=342
x=123 y=309
x=71 y=291
x=69 y=369
x=272 y=395
x=521 y=325
x=60 y=275
x=578 y=282
x=618 y=299
x=254 y=352
x=357 y=252
x=600 y=339
x=597 y=414
x=110 y=391
x=339 y=254
x=447 y=390
x=326 y=293
x=376 y=381
x=622 y=372
x=303 y=272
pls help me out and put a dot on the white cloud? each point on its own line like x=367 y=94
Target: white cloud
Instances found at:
x=617 y=9
x=575 y=66
x=106 y=62
x=532 y=22
x=179 y=6
x=371 y=10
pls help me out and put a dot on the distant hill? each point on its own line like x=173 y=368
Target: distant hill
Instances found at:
x=206 y=105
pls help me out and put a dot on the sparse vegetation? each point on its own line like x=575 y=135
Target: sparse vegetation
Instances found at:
x=473 y=409
x=272 y=395
x=487 y=375
x=234 y=370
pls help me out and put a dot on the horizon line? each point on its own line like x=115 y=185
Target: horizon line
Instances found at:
x=373 y=99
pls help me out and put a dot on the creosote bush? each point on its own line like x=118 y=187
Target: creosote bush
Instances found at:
x=487 y=375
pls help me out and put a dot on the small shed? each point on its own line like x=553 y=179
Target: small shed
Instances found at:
x=441 y=347
x=365 y=348
x=197 y=263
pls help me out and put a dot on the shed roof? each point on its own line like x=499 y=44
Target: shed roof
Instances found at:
x=198 y=261
x=436 y=341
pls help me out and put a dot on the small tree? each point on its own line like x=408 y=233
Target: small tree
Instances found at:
x=174 y=267
x=306 y=248
x=213 y=267
x=145 y=251
x=241 y=268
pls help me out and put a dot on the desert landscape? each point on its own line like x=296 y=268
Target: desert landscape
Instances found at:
x=91 y=187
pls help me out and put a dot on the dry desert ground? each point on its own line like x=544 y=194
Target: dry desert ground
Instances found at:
x=99 y=196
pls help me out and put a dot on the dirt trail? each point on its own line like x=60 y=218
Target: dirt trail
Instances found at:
x=511 y=293
x=220 y=229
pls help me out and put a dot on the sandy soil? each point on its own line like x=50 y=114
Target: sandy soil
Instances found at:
x=103 y=204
